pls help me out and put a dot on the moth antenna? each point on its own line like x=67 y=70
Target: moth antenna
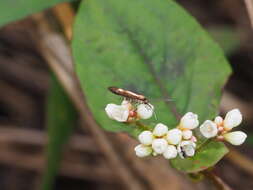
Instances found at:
x=155 y=116
x=149 y=105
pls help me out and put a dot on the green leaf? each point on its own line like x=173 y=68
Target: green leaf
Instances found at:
x=227 y=37
x=61 y=118
x=152 y=47
x=208 y=156
x=12 y=10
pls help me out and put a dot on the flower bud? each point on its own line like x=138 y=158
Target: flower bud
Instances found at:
x=208 y=129
x=186 y=149
x=160 y=130
x=174 y=136
x=146 y=137
x=218 y=120
x=233 y=118
x=170 y=152
x=117 y=112
x=142 y=150
x=159 y=145
x=189 y=121
x=235 y=138
x=187 y=134
x=145 y=111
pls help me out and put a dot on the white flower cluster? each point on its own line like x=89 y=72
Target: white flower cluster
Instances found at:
x=180 y=140
x=220 y=129
x=127 y=112
x=170 y=143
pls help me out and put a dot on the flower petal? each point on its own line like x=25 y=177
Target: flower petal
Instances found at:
x=159 y=145
x=145 y=111
x=117 y=112
x=160 y=130
x=218 y=120
x=170 y=152
x=186 y=149
x=236 y=137
x=174 y=136
x=187 y=134
x=233 y=118
x=146 y=137
x=142 y=150
x=208 y=129
x=189 y=121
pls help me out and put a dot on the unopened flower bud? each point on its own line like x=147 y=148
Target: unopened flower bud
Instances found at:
x=187 y=134
x=145 y=111
x=208 y=129
x=117 y=112
x=160 y=130
x=218 y=120
x=233 y=119
x=170 y=152
x=235 y=138
x=174 y=136
x=189 y=121
x=186 y=149
x=142 y=150
x=146 y=137
x=159 y=145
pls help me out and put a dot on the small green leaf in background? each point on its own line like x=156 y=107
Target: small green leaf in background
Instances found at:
x=61 y=118
x=155 y=48
x=12 y=10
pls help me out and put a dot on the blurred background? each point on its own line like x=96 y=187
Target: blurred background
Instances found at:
x=30 y=48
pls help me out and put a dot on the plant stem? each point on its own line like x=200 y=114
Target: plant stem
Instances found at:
x=142 y=126
x=216 y=180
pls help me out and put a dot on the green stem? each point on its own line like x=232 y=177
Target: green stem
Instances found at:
x=142 y=126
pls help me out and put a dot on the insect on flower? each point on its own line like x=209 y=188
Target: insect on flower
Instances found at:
x=132 y=97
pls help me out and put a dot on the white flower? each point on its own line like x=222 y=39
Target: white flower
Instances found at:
x=235 y=138
x=218 y=120
x=142 y=150
x=187 y=134
x=160 y=130
x=159 y=145
x=174 y=136
x=208 y=129
x=145 y=111
x=146 y=137
x=170 y=152
x=186 y=148
x=117 y=112
x=233 y=118
x=189 y=121
x=127 y=104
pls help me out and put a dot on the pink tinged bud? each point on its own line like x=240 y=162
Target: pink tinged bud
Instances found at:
x=170 y=152
x=233 y=119
x=146 y=137
x=160 y=130
x=174 y=136
x=142 y=150
x=189 y=121
x=117 y=112
x=208 y=129
x=193 y=139
x=145 y=111
x=220 y=138
x=159 y=145
x=235 y=138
